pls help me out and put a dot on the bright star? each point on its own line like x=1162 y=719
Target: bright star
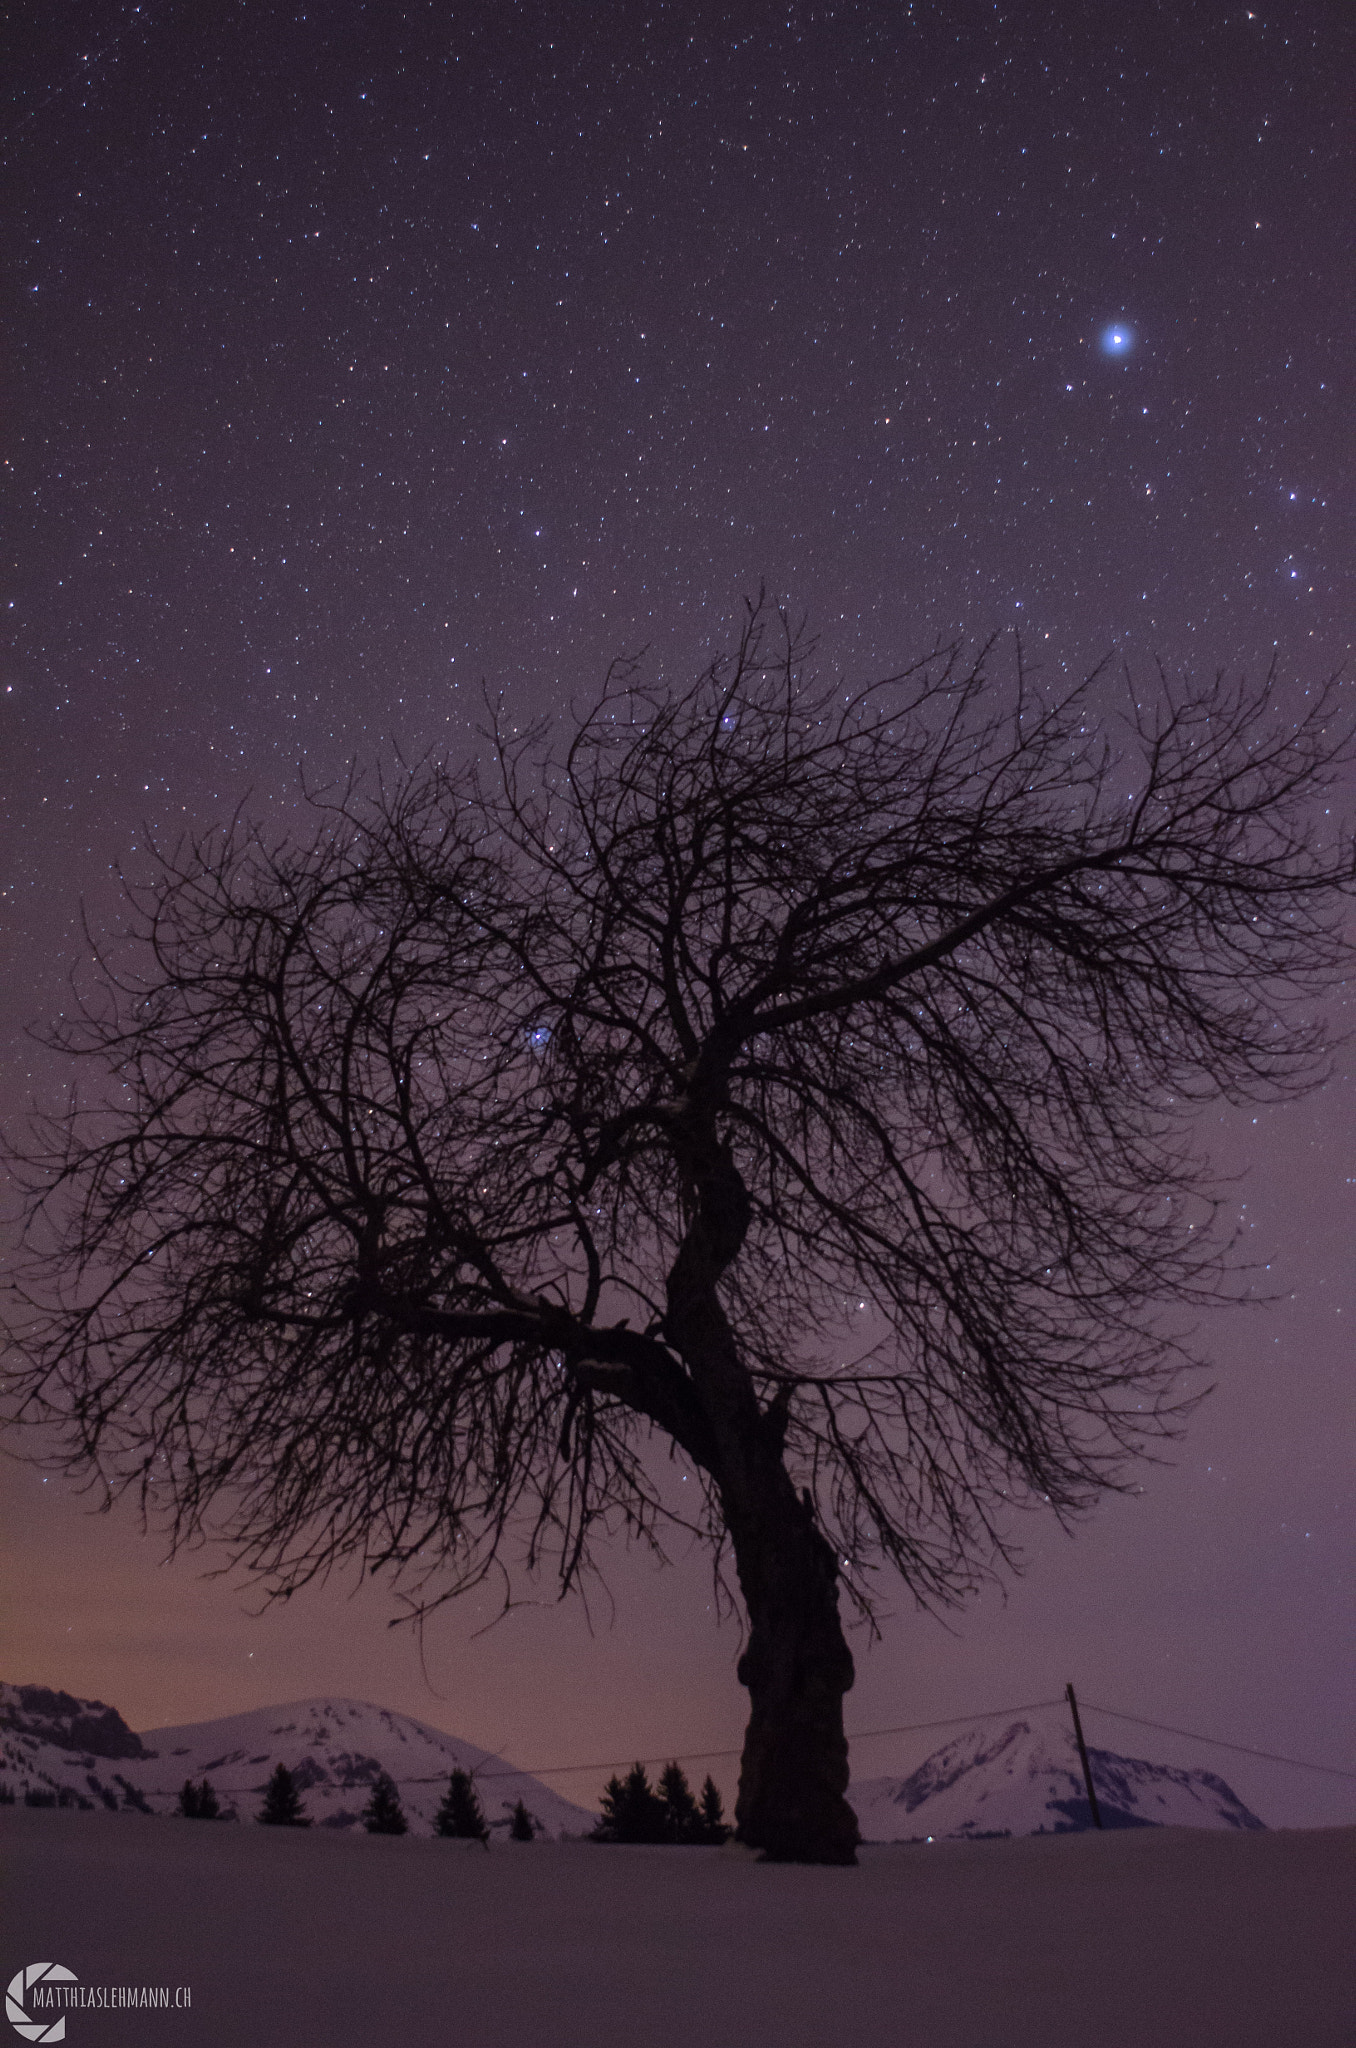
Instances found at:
x=1117 y=340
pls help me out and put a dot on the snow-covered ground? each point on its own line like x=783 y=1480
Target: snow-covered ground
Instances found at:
x=327 y=1938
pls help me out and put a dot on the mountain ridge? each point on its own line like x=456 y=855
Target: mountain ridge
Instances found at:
x=334 y=1747
x=1025 y=1778
x=1022 y=1777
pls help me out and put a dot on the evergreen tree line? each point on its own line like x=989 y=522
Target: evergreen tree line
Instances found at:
x=459 y=1817
x=199 y=1802
x=634 y=1811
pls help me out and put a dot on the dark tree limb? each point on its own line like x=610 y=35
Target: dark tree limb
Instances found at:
x=807 y=1078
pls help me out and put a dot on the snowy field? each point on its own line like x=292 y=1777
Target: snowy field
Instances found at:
x=1142 y=1938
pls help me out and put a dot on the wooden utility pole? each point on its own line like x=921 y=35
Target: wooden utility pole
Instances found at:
x=1083 y=1756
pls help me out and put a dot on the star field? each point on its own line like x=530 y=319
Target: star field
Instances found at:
x=361 y=353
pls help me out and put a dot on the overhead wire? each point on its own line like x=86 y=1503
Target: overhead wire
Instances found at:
x=699 y=1756
x=1213 y=1741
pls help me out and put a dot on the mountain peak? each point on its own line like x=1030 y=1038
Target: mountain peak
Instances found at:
x=66 y=1722
x=1023 y=1777
x=335 y=1749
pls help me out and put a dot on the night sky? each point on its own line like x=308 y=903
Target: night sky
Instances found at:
x=364 y=353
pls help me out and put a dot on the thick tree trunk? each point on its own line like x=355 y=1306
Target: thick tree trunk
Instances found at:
x=797 y=1667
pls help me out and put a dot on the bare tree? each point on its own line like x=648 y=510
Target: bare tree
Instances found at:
x=801 y=1077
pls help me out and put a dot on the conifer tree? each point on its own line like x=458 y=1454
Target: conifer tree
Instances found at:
x=460 y=1815
x=683 y=1819
x=199 y=1802
x=282 y=1807
x=612 y=1802
x=383 y=1814
x=714 y=1829
x=632 y=1810
x=520 y=1827
x=645 y=1809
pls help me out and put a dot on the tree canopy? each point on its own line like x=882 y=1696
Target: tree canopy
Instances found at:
x=802 y=1076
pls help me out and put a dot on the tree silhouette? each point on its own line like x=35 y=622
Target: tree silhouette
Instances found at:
x=282 y=1807
x=199 y=1802
x=632 y=1811
x=613 y=1807
x=714 y=1829
x=796 y=1078
x=460 y=1814
x=384 y=1814
x=683 y=1821
x=520 y=1825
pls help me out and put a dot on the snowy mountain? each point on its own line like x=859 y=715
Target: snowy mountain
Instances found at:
x=1022 y=1778
x=81 y=1753
x=1025 y=1779
x=58 y=1750
x=334 y=1750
